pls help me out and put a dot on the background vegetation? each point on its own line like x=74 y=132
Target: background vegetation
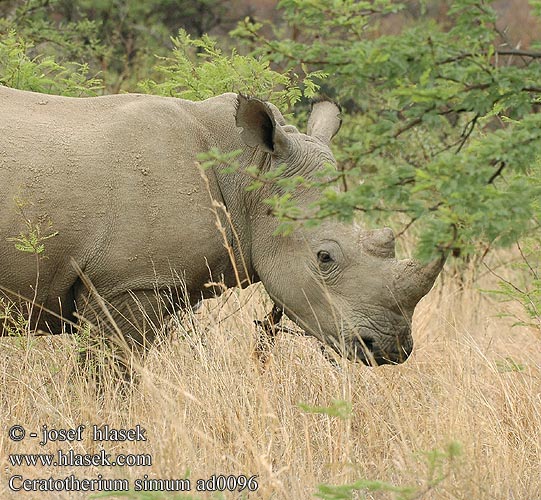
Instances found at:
x=441 y=140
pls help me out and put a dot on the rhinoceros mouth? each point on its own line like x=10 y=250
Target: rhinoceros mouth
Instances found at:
x=373 y=347
x=383 y=338
x=370 y=354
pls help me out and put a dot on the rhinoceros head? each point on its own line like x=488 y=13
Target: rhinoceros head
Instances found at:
x=339 y=282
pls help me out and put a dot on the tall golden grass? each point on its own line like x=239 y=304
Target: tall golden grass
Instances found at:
x=208 y=407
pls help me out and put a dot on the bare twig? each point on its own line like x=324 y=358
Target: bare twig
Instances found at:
x=467 y=132
x=501 y=278
x=498 y=172
x=525 y=259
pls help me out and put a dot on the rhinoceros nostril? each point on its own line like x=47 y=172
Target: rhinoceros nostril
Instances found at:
x=397 y=355
x=405 y=351
x=368 y=344
x=371 y=352
x=364 y=349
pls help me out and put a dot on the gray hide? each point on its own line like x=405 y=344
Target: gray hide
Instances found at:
x=117 y=178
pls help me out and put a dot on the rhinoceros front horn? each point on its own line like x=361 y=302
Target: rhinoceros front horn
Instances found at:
x=415 y=279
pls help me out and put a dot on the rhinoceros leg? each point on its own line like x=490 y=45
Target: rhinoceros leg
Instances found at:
x=123 y=332
x=267 y=337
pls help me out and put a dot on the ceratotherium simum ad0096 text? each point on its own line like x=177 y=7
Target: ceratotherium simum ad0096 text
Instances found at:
x=117 y=178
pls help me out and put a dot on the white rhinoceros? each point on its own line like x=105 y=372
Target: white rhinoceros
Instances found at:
x=118 y=180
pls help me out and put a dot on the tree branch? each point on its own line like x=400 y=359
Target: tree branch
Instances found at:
x=500 y=52
x=519 y=52
x=498 y=172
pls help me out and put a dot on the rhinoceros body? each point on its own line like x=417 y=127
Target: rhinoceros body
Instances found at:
x=115 y=181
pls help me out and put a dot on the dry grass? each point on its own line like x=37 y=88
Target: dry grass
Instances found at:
x=208 y=409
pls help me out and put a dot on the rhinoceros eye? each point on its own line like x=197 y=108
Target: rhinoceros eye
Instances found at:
x=324 y=257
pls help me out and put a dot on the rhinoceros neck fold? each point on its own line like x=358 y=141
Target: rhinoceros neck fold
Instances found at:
x=236 y=208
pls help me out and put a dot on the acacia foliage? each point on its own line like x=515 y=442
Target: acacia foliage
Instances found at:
x=18 y=69
x=442 y=125
x=118 y=39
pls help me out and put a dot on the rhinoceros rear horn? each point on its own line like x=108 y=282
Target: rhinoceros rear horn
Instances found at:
x=378 y=242
x=324 y=121
x=415 y=279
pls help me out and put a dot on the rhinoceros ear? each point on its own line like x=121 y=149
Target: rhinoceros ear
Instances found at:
x=259 y=126
x=324 y=121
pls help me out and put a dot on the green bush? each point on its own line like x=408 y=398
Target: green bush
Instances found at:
x=42 y=74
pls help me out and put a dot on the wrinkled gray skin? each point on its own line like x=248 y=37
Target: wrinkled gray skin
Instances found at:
x=117 y=177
